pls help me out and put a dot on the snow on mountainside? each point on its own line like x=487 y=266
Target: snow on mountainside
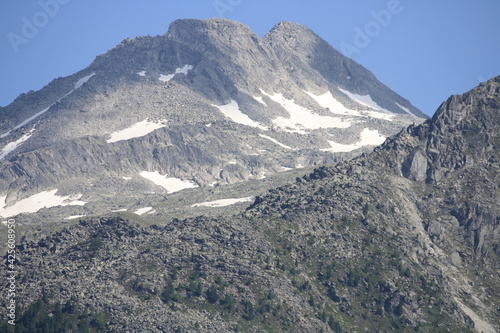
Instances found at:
x=405 y=238
x=208 y=103
x=135 y=131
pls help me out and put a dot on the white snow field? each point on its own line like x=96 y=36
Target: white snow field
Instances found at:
x=142 y=211
x=406 y=110
x=34 y=203
x=166 y=78
x=275 y=141
x=365 y=100
x=141 y=73
x=137 y=130
x=26 y=121
x=327 y=100
x=11 y=146
x=302 y=119
x=260 y=100
x=223 y=202
x=233 y=112
x=171 y=184
x=368 y=138
x=78 y=84
x=74 y=217
x=182 y=70
x=83 y=80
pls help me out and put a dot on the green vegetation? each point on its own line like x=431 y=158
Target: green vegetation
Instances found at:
x=43 y=316
x=89 y=248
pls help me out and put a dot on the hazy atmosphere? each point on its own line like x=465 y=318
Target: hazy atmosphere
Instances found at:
x=249 y=166
x=424 y=50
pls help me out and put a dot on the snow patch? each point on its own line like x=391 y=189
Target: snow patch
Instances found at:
x=171 y=184
x=83 y=80
x=327 y=100
x=77 y=203
x=302 y=118
x=141 y=73
x=182 y=70
x=406 y=110
x=78 y=84
x=135 y=131
x=11 y=146
x=371 y=137
x=368 y=138
x=26 y=121
x=223 y=202
x=378 y=114
x=275 y=141
x=260 y=100
x=339 y=148
x=127 y=178
x=166 y=78
x=365 y=100
x=233 y=112
x=144 y=210
x=34 y=203
x=74 y=217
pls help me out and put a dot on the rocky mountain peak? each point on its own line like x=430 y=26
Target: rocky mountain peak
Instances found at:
x=461 y=136
x=375 y=243
x=215 y=31
x=208 y=104
x=458 y=109
x=288 y=29
x=445 y=174
x=206 y=26
x=158 y=137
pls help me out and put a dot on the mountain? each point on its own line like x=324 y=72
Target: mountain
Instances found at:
x=403 y=239
x=207 y=104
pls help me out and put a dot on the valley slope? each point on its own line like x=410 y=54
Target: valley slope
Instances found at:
x=403 y=239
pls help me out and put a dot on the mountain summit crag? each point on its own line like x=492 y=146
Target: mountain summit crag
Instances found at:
x=207 y=104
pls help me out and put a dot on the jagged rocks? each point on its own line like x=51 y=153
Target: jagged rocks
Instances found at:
x=415 y=166
x=355 y=247
x=216 y=96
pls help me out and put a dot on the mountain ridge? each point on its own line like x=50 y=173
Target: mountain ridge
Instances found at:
x=210 y=105
x=360 y=245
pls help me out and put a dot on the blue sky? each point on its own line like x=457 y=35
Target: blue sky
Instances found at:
x=425 y=50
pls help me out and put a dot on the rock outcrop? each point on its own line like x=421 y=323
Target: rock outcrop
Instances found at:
x=209 y=103
x=376 y=243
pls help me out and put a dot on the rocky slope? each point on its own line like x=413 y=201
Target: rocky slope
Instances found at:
x=209 y=103
x=402 y=239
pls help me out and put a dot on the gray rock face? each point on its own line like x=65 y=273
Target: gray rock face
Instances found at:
x=454 y=217
x=296 y=45
x=228 y=107
x=415 y=166
x=353 y=247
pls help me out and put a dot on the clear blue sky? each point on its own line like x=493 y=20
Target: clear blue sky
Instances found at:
x=425 y=50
